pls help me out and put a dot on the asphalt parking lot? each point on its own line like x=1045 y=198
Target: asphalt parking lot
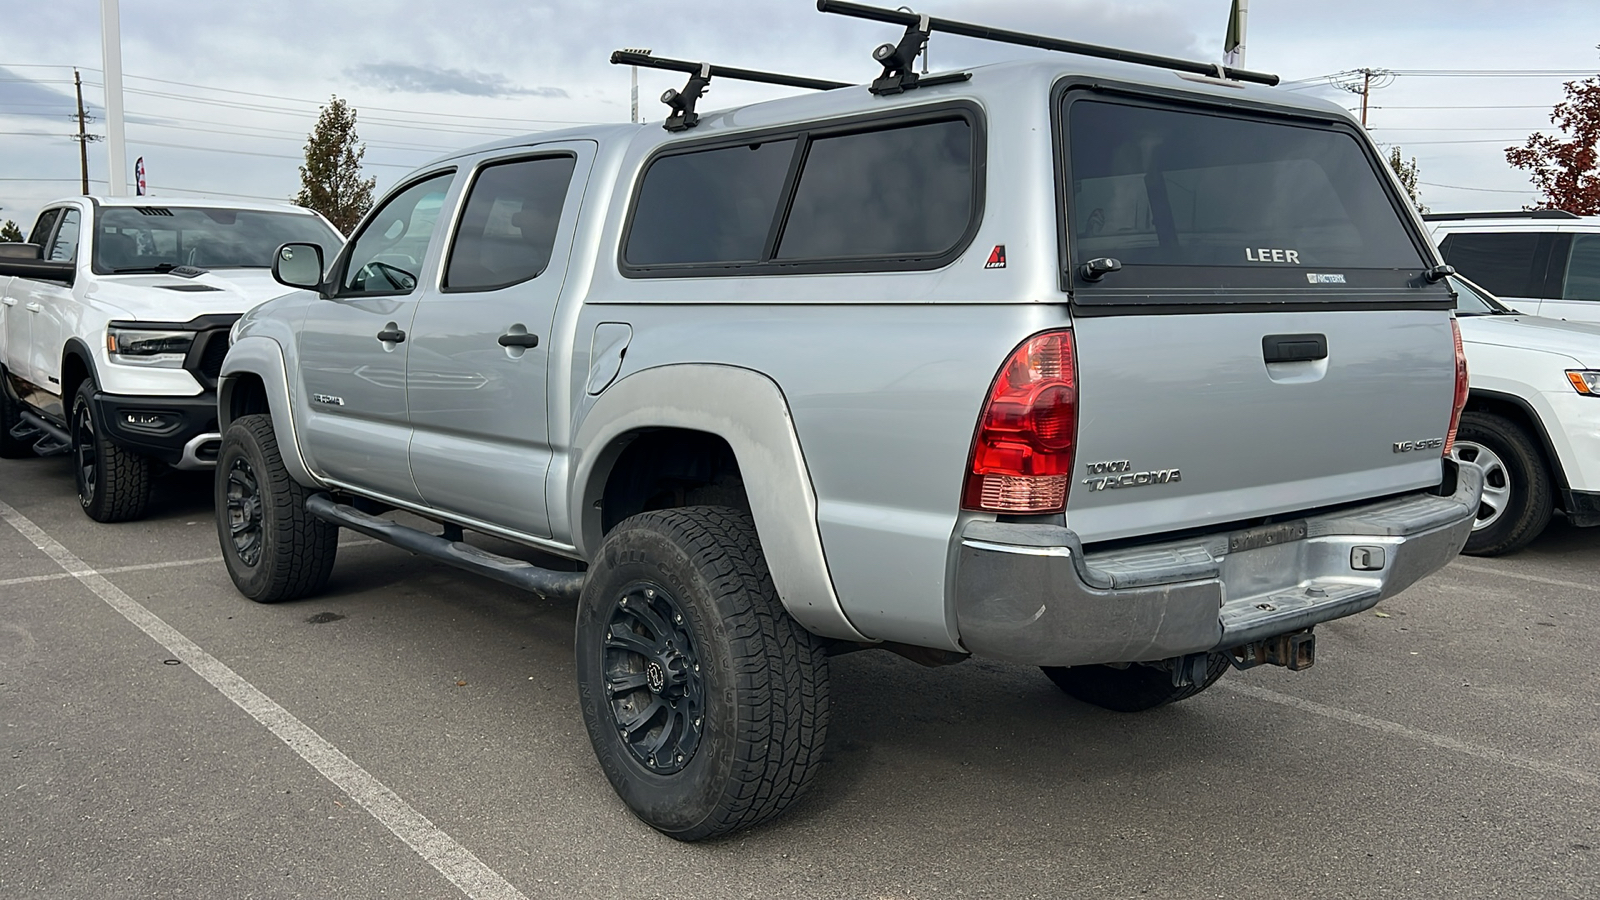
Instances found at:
x=414 y=733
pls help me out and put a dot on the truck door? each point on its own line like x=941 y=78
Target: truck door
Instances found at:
x=477 y=382
x=49 y=306
x=18 y=320
x=353 y=347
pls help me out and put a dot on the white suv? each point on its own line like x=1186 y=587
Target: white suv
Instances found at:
x=1532 y=422
x=1543 y=262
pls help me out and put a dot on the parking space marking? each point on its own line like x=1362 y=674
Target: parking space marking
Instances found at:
x=146 y=567
x=1553 y=770
x=455 y=862
x=1490 y=570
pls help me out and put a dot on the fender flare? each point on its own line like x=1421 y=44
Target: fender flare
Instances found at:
x=75 y=346
x=748 y=410
x=263 y=358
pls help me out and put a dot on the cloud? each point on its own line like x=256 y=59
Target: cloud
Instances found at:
x=410 y=79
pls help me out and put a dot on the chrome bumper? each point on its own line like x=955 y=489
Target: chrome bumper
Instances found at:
x=200 y=452
x=1028 y=594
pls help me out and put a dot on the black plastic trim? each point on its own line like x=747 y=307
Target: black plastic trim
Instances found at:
x=803 y=134
x=1299 y=301
x=196 y=415
x=1294 y=347
x=1519 y=214
x=1582 y=507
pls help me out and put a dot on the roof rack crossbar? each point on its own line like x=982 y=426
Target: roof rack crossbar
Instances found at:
x=1020 y=38
x=1515 y=214
x=700 y=74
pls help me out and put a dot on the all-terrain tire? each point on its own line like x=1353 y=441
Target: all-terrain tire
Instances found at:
x=11 y=417
x=1134 y=688
x=113 y=481
x=741 y=734
x=274 y=549
x=1518 y=496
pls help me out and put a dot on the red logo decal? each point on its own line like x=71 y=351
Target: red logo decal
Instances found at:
x=997 y=258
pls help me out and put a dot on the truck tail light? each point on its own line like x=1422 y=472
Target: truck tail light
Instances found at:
x=1461 y=389
x=1023 y=449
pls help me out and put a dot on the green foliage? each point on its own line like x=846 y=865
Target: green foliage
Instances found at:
x=1567 y=171
x=1407 y=173
x=10 y=233
x=330 y=181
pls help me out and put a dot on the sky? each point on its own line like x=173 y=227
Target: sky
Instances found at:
x=219 y=96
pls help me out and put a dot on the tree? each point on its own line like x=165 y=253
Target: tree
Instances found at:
x=1407 y=173
x=10 y=233
x=1565 y=171
x=330 y=181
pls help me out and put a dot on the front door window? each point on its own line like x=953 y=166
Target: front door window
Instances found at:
x=387 y=256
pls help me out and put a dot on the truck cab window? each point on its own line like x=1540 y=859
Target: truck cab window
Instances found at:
x=386 y=257
x=65 y=245
x=509 y=226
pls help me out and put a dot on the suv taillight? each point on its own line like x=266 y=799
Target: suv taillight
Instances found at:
x=1461 y=389
x=1022 y=452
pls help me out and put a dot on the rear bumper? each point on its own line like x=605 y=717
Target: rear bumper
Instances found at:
x=1028 y=594
x=179 y=431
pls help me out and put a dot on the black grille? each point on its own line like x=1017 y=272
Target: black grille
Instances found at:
x=205 y=358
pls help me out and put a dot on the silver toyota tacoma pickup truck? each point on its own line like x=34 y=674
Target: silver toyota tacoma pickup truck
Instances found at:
x=1133 y=371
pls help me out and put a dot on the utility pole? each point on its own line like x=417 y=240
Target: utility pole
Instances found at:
x=1369 y=81
x=83 y=134
x=646 y=52
x=111 y=53
x=1366 y=91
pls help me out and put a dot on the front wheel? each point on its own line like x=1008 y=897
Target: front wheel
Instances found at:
x=1517 y=496
x=113 y=482
x=707 y=705
x=1131 y=688
x=274 y=549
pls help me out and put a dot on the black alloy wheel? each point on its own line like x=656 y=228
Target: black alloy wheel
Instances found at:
x=85 y=459
x=113 y=482
x=652 y=678
x=243 y=494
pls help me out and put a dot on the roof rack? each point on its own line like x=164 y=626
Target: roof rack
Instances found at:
x=1517 y=214
x=683 y=102
x=897 y=75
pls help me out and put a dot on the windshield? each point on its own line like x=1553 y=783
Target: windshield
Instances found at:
x=1472 y=302
x=1155 y=186
x=157 y=238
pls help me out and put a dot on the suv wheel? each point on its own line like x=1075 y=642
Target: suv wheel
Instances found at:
x=275 y=550
x=1131 y=688
x=707 y=705
x=10 y=417
x=1517 y=497
x=113 y=482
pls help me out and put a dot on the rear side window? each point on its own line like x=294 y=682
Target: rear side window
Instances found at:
x=837 y=198
x=1583 y=269
x=1502 y=263
x=1157 y=186
x=508 y=229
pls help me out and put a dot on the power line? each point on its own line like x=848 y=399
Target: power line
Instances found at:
x=1457 y=187
x=255 y=153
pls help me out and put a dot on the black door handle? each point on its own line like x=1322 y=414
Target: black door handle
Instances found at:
x=515 y=339
x=392 y=336
x=1294 y=347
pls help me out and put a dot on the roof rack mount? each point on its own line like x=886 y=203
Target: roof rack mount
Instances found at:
x=683 y=102
x=928 y=24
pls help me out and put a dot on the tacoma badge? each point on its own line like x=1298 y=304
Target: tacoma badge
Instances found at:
x=1119 y=473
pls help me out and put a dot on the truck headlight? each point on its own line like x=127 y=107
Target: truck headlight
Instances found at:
x=1585 y=381
x=150 y=349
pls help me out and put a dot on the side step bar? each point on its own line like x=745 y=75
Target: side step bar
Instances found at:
x=547 y=583
x=52 y=440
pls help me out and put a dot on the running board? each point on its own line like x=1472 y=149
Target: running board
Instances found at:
x=547 y=583
x=52 y=440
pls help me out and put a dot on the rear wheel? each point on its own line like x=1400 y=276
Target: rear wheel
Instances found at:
x=1131 y=688
x=113 y=482
x=707 y=705
x=274 y=549
x=1517 y=496
x=10 y=417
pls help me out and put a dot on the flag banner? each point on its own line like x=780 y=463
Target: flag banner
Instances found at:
x=138 y=177
x=1233 y=41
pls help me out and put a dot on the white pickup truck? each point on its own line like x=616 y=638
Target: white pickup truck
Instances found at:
x=114 y=319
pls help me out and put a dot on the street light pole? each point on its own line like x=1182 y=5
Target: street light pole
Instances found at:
x=646 y=52
x=111 y=54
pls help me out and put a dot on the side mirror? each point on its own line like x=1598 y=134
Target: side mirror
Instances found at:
x=298 y=266
x=9 y=250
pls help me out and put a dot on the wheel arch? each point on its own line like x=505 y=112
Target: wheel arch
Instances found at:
x=1519 y=410
x=254 y=379
x=746 y=412
x=77 y=365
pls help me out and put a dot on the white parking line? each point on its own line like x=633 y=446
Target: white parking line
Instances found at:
x=146 y=567
x=1554 y=770
x=1490 y=570
x=453 y=861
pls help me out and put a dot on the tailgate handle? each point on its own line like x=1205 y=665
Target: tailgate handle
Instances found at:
x=1293 y=347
